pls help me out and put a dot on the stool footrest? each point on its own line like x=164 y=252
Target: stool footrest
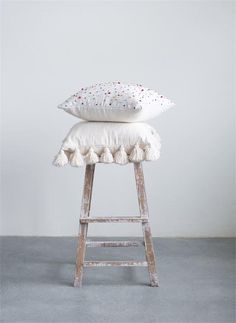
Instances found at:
x=113 y=243
x=130 y=263
x=113 y=219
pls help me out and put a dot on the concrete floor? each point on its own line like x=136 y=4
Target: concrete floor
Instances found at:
x=197 y=279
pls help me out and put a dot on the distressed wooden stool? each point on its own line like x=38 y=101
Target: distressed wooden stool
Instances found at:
x=143 y=218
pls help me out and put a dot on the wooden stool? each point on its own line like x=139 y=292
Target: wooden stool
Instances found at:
x=143 y=219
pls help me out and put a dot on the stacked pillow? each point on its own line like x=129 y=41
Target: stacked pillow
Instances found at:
x=116 y=133
x=116 y=102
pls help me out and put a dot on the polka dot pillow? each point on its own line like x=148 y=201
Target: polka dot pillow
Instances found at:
x=115 y=101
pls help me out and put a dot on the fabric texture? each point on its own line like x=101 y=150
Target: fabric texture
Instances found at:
x=117 y=102
x=108 y=142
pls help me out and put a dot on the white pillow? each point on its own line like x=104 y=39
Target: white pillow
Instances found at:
x=114 y=101
x=105 y=142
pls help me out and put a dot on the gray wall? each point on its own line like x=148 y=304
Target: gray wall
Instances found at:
x=183 y=49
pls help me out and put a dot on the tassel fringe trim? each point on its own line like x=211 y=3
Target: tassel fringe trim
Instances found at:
x=106 y=156
x=91 y=157
x=61 y=159
x=121 y=157
x=76 y=159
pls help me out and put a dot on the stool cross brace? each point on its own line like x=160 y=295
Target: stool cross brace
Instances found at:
x=143 y=218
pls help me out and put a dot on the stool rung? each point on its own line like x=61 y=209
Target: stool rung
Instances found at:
x=130 y=263
x=113 y=219
x=132 y=243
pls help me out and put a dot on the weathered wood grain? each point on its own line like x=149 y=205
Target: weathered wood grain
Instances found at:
x=130 y=263
x=85 y=209
x=119 y=219
x=143 y=218
x=132 y=243
x=150 y=256
x=143 y=207
x=142 y=199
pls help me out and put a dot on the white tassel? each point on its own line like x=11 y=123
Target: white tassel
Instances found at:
x=61 y=159
x=150 y=153
x=76 y=159
x=121 y=156
x=91 y=157
x=137 y=154
x=106 y=156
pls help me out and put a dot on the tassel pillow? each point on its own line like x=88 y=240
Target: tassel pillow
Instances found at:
x=103 y=142
x=115 y=101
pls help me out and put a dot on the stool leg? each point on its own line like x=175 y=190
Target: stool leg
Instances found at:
x=143 y=207
x=83 y=227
